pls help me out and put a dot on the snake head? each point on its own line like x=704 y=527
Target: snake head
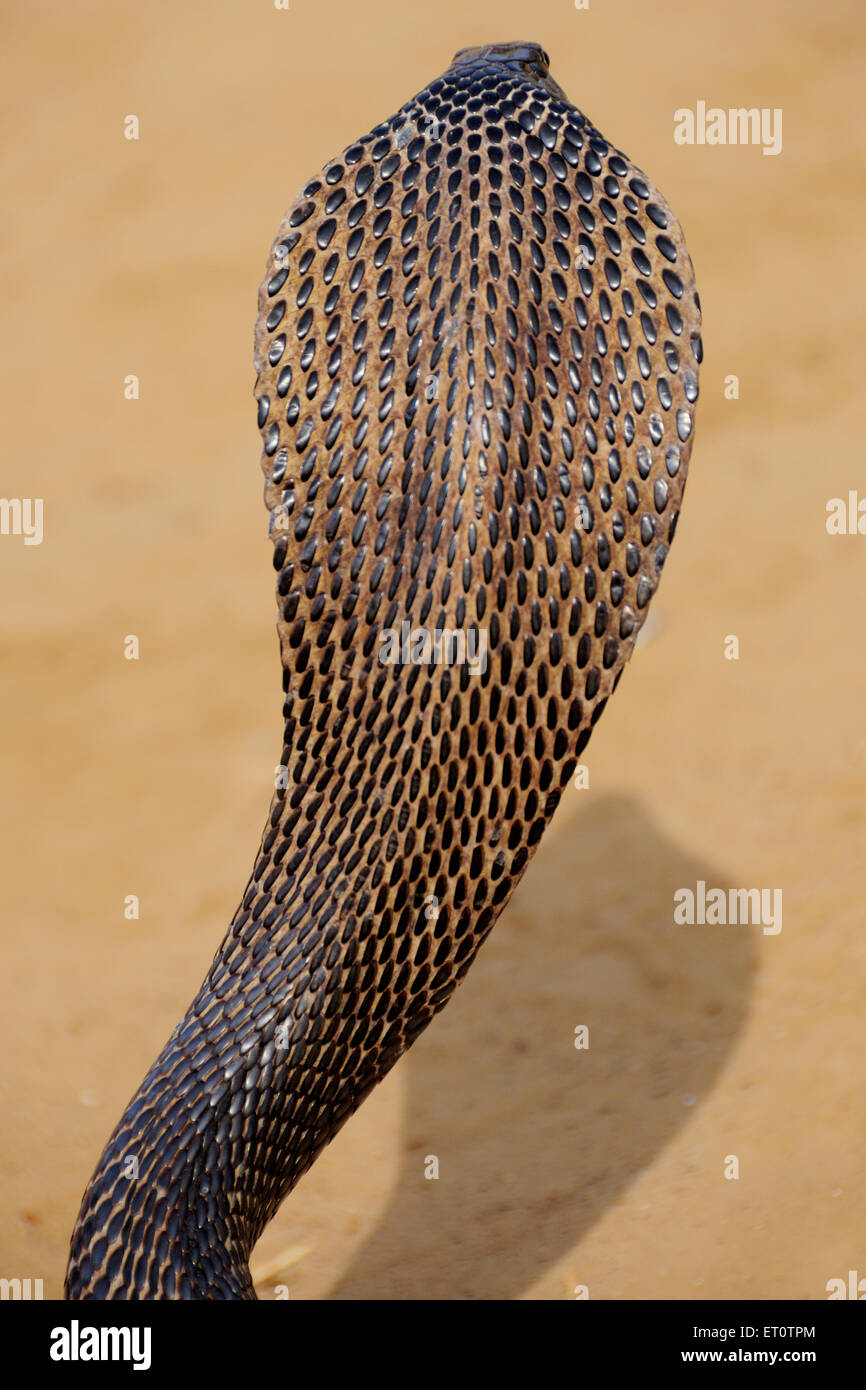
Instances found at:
x=529 y=58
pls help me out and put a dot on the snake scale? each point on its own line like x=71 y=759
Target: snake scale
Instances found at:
x=477 y=350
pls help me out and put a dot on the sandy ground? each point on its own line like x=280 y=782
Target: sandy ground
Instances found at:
x=558 y=1167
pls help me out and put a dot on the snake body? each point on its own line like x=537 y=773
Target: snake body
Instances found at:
x=477 y=351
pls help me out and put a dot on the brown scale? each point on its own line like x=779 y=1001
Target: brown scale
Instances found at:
x=477 y=351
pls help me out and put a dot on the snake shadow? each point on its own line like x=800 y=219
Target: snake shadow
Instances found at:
x=535 y=1138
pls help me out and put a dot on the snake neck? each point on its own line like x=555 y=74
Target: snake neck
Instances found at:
x=175 y=1229
x=252 y=1084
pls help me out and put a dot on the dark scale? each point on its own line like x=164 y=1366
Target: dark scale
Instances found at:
x=477 y=353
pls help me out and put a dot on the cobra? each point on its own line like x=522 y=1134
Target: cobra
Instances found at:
x=477 y=350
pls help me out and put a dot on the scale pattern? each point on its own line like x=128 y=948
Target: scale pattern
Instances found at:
x=477 y=351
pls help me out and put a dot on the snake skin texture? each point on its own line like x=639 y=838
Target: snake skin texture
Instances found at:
x=477 y=351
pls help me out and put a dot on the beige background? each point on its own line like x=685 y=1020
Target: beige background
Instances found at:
x=152 y=777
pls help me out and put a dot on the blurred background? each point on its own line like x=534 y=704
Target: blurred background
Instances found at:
x=558 y=1168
